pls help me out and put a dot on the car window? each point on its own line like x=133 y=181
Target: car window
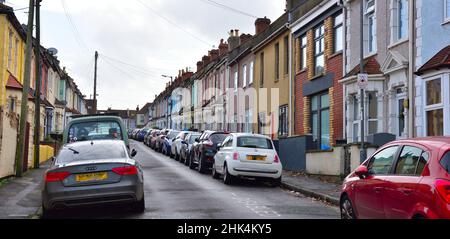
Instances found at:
x=445 y=162
x=72 y=153
x=408 y=160
x=381 y=163
x=422 y=162
x=254 y=142
x=86 y=131
x=218 y=138
x=192 y=138
x=226 y=142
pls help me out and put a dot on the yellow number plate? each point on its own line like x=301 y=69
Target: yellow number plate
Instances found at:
x=256 y=158
x=91 y=177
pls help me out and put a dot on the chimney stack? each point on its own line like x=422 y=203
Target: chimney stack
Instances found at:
x=245 y=38
x=206 y=60
x=199 y=66
x=233 y=40
x=261 y=24
x=223 y=47
x=214 y=54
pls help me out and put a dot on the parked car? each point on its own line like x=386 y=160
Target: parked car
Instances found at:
x=186 y=152
x=160 y=140
x=147 y=136
x=403 y=179
x=95 y=127
x=176 y=145
x=93 y=173
x=168 y=140
x=205 y=150
x=153 y=137
x=142 y=133
x=135 y=133
x=247 y=156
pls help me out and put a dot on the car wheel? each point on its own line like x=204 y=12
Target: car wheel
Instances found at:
x=201 y=166
x=186 y=161
x=215 y=175
x=347 y=211
x=276 y=182
x=191 y=163
x=228 y=179
x=139 y=206
x=47 y=213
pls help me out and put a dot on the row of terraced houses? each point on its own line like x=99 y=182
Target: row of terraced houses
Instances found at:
x=60 y=96
x=295 y=80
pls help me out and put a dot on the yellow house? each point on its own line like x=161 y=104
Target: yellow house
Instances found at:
x=272 y=73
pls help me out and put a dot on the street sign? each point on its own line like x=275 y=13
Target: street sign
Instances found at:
x=363 y=81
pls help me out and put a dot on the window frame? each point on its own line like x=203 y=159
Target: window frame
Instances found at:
x=369 y=119
x=236 y=80
x=321 y=40
x=397 y=159
x=446 y=11
x=400 y=22
x=283 y=123
x=251 y=75
x=336 y=27
x=370 y=15
x=286 y=55
x=439 y=106
x=303 y=52
x=319 y=111
x=262 y=62
x=277 y=61
x=394 y=160
x=244 y=75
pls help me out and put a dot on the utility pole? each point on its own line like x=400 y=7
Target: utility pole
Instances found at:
x=37 y=103
x=25 y=91
x=95 y=83
x=363 y=152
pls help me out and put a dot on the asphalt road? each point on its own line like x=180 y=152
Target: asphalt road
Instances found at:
x=173 y=191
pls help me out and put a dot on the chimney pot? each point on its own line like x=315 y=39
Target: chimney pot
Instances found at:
x=261 y=24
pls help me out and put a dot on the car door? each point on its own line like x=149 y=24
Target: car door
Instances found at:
x=369 y=191
x=219 y=158
x=399 y=197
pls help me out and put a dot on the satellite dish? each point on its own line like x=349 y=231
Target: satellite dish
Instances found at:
x=52 y=51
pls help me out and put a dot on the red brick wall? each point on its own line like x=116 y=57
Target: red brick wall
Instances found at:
x=335 y=66
x=300 y=79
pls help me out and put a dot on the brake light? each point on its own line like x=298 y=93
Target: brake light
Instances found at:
x=235 y=156
x=127 y=170
x=443 y=188
x=56 y=176
x=276 y=159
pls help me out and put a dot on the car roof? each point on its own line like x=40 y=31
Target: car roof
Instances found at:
x=96 y=142
x=95 y=118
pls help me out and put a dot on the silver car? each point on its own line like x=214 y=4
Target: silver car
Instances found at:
x=93 y=173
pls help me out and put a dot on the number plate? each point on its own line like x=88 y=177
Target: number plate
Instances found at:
x=91 y=177
x=256 y=158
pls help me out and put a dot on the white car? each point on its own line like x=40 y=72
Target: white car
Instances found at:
x=248 y=156
x=177 y=143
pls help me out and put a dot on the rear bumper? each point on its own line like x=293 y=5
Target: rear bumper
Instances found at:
x=59 y=197
x=240 y=169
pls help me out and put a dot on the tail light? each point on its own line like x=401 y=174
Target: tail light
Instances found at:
x=235 y=156
x=56 y=176
x=127 y=170
x=443 y=187
x=208 y=143
x=276 y=159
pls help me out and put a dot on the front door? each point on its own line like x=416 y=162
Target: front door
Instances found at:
x=401 y=117
x=369 y=191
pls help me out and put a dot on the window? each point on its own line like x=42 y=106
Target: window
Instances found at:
x=16 y=56
x=244 y=76
x=402 y=15
x=283 y=121
x=434 y=110
x=262 y=70
x=319 y=48
x=261 y=122
x=252 y=67
x=303 y=52
x=445 y=162
x=408 y=161
x=254 y=143
x=12 y=105
x=338 y=33
x=356 y=119
x=320 y=120
x=277 y=61
x=382 y=162
x=286 y=55
x=373 y=112
x=94 y=131
x=447 y=10
x=10 y=48
x=236 y=78
x=372 y=26
x=85 y=152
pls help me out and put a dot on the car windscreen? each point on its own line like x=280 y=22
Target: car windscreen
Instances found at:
x=96 y=130
x=173 y=134
x=254 y=142
x=72 y=153
x=445 y=162
x=218 y=138
x=193 y=137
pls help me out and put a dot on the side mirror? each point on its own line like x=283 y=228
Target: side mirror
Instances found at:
x=362 y=172
x=133 y=153
x=197 y=140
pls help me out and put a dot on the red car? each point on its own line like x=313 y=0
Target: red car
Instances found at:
x=403 y=180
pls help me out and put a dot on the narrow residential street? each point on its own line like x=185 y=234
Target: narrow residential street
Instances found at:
x=173 y=191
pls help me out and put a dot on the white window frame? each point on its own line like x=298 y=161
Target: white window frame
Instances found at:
x=244 y=76
x=10 y=48
x=336 y=27
x=303 y=52
x=446 y=11
x=370 y=15
x=400 y=96
x=444 y=100
x=400 y=20
x=252 y=67
x=368 y=119
x=236 y=81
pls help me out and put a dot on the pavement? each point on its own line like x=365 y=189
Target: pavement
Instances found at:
x=312 y=187
x=173 y=191
x=20 y=198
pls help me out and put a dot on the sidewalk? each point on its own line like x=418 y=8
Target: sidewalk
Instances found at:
x=20 y=198
x=312 y=187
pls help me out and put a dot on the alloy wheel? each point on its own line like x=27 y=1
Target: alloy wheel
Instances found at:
x=347 y=211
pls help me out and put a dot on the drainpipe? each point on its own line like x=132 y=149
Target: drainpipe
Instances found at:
x=411 y=69
x=291 y=80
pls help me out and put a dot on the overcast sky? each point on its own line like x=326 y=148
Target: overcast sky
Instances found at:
x=138 y=40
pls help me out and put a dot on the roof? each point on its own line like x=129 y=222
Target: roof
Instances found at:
x=144 y=109
x=266 y=36
x=14 y=84
x=438 y=61
x=9 y=11
x=371 y=67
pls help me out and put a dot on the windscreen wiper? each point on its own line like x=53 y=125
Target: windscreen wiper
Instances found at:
x=73 y=150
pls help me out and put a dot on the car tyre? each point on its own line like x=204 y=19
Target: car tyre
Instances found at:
x=187 y=160
x=191 y=163
x=228 y=179
x=47 y=213
x=276 y=182
x=346 y=208
x=201 y=166
x=214 y=174
x=139 y=206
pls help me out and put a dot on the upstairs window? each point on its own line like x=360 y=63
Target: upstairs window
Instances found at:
x=303 y=52
x=402 y=13
x=262 y=70
x=286 y=55
x=244 y=76
x=338 y=33
x=447 y=9
x=236 y=78
x=319 y=49
x=10 y=49
x=250 y=79
x=371 y=26
x=277 y=61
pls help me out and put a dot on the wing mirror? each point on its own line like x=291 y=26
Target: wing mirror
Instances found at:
x=197 y=140
x=133 y=153
x=362 y=172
